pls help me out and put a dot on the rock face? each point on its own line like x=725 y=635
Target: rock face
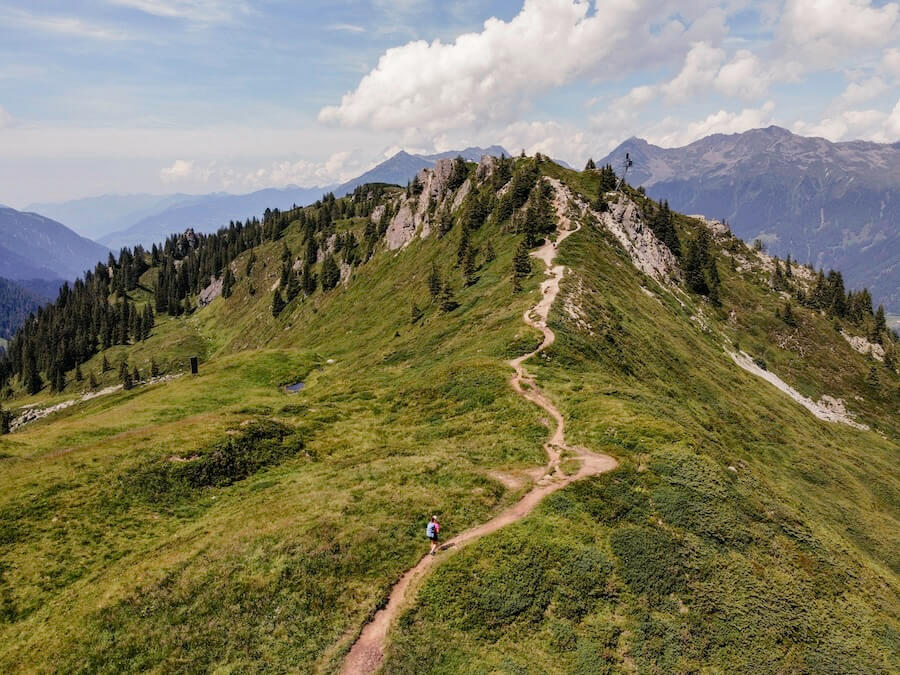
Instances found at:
x=863 y=346
x=648 y=253
x=414 y=214
x=211 y=292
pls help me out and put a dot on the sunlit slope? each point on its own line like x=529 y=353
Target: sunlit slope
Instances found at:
x=117 y=554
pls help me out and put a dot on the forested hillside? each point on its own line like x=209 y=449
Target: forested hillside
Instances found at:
x=154 y=520
x=16 y=304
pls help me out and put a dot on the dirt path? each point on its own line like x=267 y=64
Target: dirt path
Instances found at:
x=367 y=654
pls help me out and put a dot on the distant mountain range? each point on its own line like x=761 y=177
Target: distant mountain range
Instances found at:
x=829 y=204
x=35 y=247
x=18 y=299
x=125 y=220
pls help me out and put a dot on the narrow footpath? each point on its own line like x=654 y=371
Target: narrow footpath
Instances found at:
x=367 y=653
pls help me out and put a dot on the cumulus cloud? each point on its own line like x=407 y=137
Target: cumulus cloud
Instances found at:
x=890 y=62
x=821 y=32
x=698 y=73
x=870 y=125
x=493 y=75
x=860 y=92
x=673 y=132
x=744 y=76
x=184 y=170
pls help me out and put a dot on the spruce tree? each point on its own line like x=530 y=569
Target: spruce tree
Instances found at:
x=78 y=376
x=590 y=166
x=788 y=315
x=277 y=304
x=92 y=380
x=448 y=301
x=293 y=287
x=136 y=375
x=880 y=324
x=154 y=369
x=5 y=421
x=872 y=378
x=104 y=365
x=31 y=378
x=331 y=274
x=469 y=267
x=788 y=272
x=521 y=265
x=434 y=282
x=227 y=283
x=489 y=254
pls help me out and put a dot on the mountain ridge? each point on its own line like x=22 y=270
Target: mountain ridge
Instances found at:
x=828 y=204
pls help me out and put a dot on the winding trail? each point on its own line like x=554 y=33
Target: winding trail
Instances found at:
x=367 y=653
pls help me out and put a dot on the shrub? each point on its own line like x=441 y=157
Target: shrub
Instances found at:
x=651 y=561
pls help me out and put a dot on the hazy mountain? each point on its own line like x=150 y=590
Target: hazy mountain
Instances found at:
x=829 y=204
x=36 y=247
x=19 y=299
x=95 y=217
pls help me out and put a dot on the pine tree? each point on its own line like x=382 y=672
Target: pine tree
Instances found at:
x=590 y=166
x=489 y=254
x=154 y=369
x=277 y=304
x=78 y=376
x=788 y=272
x=880 y=324
x=92 y=380
x=788 y=315
x=521 y=265
x=307 y=279
x=123 y=369
x=293 y=287
x=331 y=274
x=469 y=267
x=448 y=301
x=5 y=421
x=872 y=378
x=31 y=378
x=104 y=365
x=434 y=282
x=227 y=283
x=136 y=375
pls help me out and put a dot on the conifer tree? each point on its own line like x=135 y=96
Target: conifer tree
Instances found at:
x=78 y=376
x=277 y=304
x=489 y=254
x=307 y=279
x=104 y=365
x=469 y=267
x=788 y=272
x=434 y=282
x=880 y=324
x=154 y=369
x=251 y=261
x=136 y=375
x=448 y=301
x=5 y=421
x=872 y=378
x=31 y=378
x=590 y=166
x=521 y=265
x=293 y=287
x=788 y=315
x=331 y=274
x=227 y=283
x=92 y=380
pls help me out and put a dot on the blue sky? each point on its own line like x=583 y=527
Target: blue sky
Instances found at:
x=117 y=96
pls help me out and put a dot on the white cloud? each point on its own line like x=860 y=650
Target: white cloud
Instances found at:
x=860 y=92
x=743 y=77
x=870 y=125
x=6 y=120
x=63 y=25
x=698 y=73
x=821 y=32
x=204 y=11
x=184 y=170
x=890 y=62
x=493 y=75
x=347 y=28
x=675 y=132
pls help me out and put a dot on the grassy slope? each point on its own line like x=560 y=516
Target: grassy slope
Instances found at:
x=283 y=567
x=675 y=562
x=406 y=421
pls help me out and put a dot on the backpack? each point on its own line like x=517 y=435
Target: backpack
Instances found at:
x=430 y=530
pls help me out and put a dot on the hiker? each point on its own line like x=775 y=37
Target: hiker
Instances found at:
x=432 y=531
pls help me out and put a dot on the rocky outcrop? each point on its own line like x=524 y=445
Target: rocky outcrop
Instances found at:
x=211 y=292
x=485 y=168
x=415 y=212
x=625 y=221
x=402 y=228
x=863 y=346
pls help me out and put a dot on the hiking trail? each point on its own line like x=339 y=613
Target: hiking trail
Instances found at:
x=367 y=654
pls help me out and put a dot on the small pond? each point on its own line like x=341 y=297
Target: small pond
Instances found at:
x=294 y=388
